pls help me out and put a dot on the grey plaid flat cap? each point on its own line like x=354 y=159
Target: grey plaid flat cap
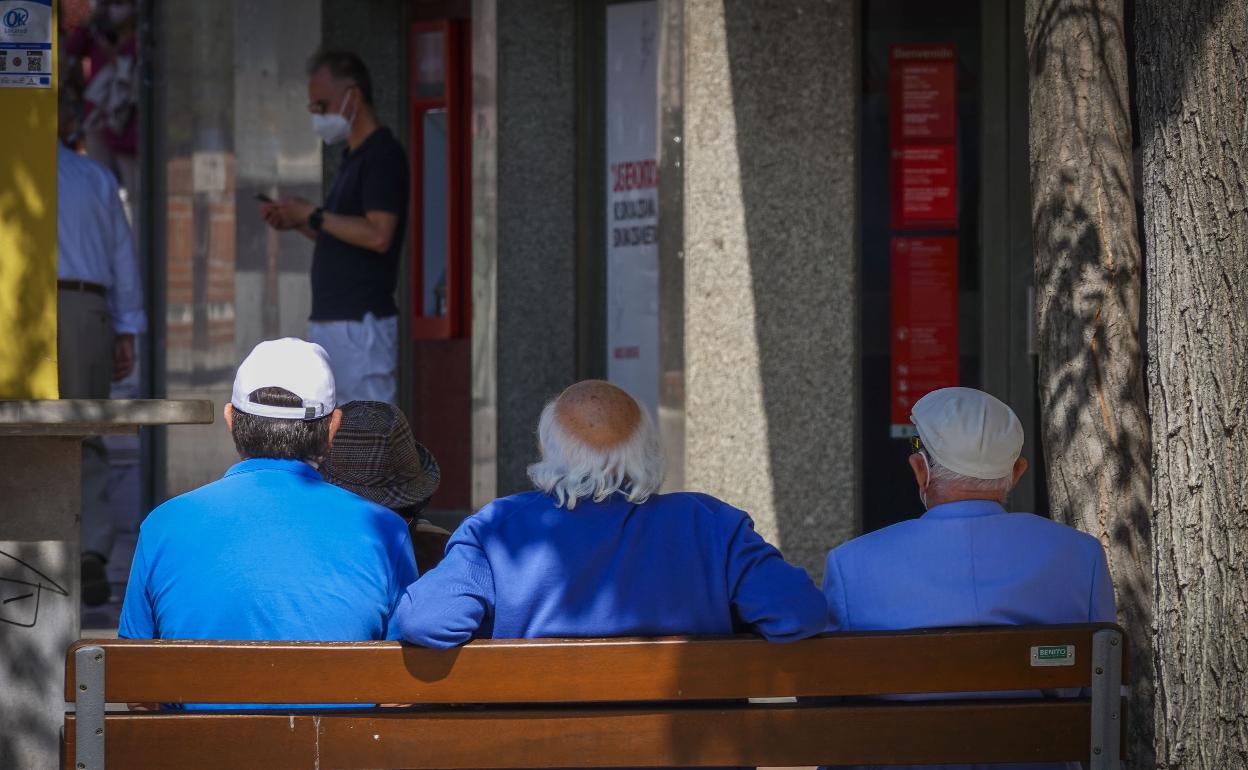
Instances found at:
x=375 y=456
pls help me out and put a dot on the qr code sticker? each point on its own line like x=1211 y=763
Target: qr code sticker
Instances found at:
x=4 y=61
x=34 y=62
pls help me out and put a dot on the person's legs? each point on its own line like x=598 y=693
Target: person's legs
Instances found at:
x=343 y=355
x=84 y=344
x=363 y=355
x=378 y=380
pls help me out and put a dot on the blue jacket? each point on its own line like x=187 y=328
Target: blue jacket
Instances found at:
x=969 y=563
x=679 y=563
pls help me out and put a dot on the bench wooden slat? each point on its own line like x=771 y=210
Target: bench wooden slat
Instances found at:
x=980 y=731
x=587 y=670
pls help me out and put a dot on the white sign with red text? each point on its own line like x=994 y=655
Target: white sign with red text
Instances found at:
x=632 y=193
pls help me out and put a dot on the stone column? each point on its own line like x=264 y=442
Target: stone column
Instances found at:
x=524 y=230
x=39 y=591
x=41 y=453
x=771 y=265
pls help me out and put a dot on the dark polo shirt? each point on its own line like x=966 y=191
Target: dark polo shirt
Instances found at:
x=349 y=281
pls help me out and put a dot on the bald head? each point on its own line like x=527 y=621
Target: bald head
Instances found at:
x=598 y=414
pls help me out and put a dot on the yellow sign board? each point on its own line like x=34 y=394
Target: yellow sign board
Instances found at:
x=28 y=240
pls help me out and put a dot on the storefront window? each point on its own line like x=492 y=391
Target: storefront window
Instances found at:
x=921 y=255
x=230 y=123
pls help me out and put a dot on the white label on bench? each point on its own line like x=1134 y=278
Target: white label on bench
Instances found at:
x=1053 y=655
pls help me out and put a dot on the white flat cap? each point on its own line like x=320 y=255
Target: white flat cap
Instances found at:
x=969 y=432
x=293 y=364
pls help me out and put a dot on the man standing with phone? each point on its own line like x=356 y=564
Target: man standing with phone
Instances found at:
x=358 y=231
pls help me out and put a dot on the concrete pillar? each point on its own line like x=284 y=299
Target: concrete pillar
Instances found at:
x=771 y=265
x=41 y=452
x=524 y=230
x=39 y=592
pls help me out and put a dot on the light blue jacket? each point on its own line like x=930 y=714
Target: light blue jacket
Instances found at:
x=968 y=563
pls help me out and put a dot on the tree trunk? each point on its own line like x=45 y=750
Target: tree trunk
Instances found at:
x=1192 y=63
x=1094 y=418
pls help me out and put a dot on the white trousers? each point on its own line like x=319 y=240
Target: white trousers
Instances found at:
x=364 y=355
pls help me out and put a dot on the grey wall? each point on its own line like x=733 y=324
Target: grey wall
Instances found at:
x=535 y=221
x=770 y=278
x=39 y=586
x=377 y=31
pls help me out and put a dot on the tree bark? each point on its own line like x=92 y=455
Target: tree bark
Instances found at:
x=1094 y=418
x=1192 y=64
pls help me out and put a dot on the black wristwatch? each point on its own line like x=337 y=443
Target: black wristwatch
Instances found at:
x=316 y=219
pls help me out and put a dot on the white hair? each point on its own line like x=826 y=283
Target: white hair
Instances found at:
x=939 y=475
x=571 y=470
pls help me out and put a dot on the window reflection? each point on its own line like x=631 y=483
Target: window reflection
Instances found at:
x=430 y=65
x=230 y=123
x=434 y=193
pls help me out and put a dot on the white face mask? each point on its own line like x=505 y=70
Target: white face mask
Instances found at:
x=923 y=489
x=333 y=128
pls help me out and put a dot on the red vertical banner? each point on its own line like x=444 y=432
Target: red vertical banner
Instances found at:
x=923 y=90
x=924 y=327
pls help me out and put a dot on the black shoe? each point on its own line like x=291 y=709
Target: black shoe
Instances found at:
x=95 y=587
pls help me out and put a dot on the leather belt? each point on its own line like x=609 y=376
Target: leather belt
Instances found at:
x=87 y=286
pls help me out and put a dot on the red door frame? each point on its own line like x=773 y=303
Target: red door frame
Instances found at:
x=456 y=100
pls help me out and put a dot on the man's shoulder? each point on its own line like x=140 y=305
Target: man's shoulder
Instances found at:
x=188 y=504
x=512 y=505
x=882 y=539
x=95 y=173
x=1054 y=532
x=384 y=145
x=700 y=502
x=387 y=139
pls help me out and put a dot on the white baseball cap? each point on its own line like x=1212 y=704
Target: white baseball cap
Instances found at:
x=298 y=366
x=969 y=432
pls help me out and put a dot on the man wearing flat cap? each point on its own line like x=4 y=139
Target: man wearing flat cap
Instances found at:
x=271 y=551
x=596 y=551
x=967 y=561
x=375 y=456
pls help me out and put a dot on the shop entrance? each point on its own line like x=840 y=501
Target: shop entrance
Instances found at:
x=946 y=259
x=439 y=288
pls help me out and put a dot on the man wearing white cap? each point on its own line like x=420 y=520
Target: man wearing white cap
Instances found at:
x=967 y=561
x=271 y=551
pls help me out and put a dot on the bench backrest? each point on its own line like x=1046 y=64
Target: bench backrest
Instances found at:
x=602 y=702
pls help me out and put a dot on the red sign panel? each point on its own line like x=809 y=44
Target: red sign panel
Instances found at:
x=924 y=328
x=923 y=87
x=925 y=187
x=923 y=133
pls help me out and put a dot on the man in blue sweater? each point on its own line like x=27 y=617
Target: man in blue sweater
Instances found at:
x=967 y=561
x=595 y=551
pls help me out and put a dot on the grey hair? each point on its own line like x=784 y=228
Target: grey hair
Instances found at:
x=571 y=470
x=942 y=476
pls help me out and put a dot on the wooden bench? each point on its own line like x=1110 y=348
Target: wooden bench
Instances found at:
x=601 y=702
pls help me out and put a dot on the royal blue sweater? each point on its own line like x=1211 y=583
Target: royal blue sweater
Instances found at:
x=677 y=564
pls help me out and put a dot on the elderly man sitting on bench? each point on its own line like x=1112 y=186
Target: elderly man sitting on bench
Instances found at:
x=967 y=561
x=595 y=551
x=271 y=551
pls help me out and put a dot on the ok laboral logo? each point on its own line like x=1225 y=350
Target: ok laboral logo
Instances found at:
x=15 y=20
